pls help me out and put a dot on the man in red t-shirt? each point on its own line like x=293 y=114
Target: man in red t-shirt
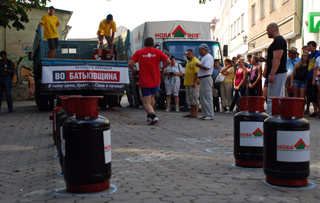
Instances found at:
x=149 y=74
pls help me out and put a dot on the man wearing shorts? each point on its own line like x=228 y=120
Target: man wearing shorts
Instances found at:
x=190 y=81
x=105 y=27
x=50 y=33
x=172 y=82
x=149 y=75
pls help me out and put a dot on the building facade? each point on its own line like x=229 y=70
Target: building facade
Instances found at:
x=18 y=43
x=310 y=6
x=286 y=13
x=239 y=27
x=222 y=29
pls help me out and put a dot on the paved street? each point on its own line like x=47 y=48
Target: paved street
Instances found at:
x=177 y=160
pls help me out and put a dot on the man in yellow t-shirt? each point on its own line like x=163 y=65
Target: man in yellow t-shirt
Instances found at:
x=190 y=81
x=50 y=33
x=105 y=27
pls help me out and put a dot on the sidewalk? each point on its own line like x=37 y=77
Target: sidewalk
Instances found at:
x=177 y=160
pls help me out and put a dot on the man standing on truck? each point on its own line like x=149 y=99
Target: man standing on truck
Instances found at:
x=149 y=75
x=105 y=27
x=190 y=81
x=206 y=82
x=50 y=33
x=7 y=71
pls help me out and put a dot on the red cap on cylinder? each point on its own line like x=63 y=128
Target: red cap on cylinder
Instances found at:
x=255 y=103
x=71 y=106
x=87 y=107
x=64 y=102
x=276 y=107
x=244 y=103
x=291 y=107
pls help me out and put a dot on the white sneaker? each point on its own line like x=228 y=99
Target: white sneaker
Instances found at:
x=207 y=118
x=221 y=111
x=228 y=111
x=168 y=108
x=153 y=121
x=177 y=108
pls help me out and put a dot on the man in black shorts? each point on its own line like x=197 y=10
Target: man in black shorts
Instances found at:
x=50 y=33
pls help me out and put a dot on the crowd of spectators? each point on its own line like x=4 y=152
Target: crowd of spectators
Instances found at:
x=247 y=77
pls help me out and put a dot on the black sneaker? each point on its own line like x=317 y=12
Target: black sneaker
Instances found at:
x=10 y=110
x=153 y=119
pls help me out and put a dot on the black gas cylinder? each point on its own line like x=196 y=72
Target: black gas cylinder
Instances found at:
x=287 y=145
x=70 y=111
x=87 y=148
x=248 y=133
x=56 y=117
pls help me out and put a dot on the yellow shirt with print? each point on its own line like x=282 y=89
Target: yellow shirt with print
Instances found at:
x=105 y=28
x=230 y=76
x=50 y=24
x=191 y=69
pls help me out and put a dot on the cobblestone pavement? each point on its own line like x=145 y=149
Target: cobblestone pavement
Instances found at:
x=177 y=160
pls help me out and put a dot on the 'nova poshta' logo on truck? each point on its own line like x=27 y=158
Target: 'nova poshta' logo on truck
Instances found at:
x=139 y=37
x=177 y=33
x=314 y=22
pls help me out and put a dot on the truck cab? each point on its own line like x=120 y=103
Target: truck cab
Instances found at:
x=178 y=48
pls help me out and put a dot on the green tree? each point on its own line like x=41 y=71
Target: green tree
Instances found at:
x=14 y=12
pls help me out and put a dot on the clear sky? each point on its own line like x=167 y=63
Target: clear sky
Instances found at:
x=131 y=13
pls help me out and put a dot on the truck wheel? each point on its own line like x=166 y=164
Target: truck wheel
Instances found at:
x=43 y=103
x=138 y=94
x=37 y=95
x=159 y=99
x=51 y=102
x=113 y=101
x=102 y=103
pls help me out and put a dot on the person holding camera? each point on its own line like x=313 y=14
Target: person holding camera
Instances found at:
x=6 y=73
x=172 y=76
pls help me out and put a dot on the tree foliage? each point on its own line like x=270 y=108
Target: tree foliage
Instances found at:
x=13 y=13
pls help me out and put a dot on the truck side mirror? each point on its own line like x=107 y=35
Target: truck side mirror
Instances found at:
x=30 y=56
x=225 y=50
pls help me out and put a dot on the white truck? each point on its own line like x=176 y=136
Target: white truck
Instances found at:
x=174 y=38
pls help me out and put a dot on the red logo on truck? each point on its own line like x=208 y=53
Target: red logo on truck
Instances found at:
x=106 y=76
x=178 y=32
x=139 y=38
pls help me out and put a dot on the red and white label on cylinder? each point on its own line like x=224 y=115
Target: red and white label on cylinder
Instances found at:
x=63 y=142
x=251 y=134
x=293 y=146
x=107 y=145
